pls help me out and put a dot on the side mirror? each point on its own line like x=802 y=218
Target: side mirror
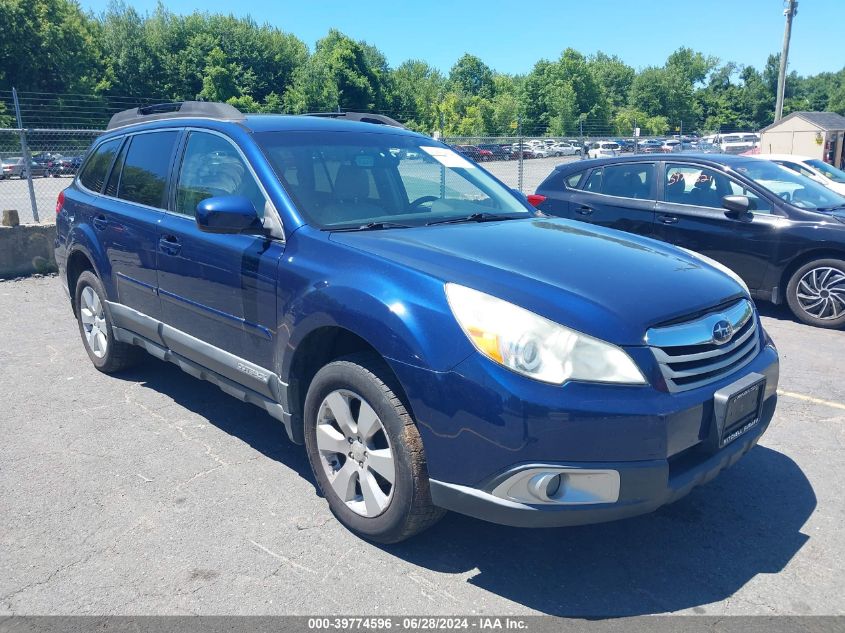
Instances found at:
x=228 y=214
x=736 y=206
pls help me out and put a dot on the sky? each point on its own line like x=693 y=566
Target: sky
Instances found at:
x=510 y=36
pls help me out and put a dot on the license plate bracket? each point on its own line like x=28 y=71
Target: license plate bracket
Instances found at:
x=738 y=407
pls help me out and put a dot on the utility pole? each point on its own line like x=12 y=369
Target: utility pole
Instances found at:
x=26 y=158
x=790 y=11
x=521 y=150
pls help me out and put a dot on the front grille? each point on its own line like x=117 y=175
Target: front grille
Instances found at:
x=690 y=357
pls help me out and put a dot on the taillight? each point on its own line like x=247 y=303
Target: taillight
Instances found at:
x=535 y=199
x=60 y=202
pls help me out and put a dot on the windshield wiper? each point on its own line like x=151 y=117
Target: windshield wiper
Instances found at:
x=374 y=226
x=476 y=217
x=828 y=209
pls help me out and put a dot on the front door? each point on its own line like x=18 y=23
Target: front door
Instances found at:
x=218 y=289
x=690 y=214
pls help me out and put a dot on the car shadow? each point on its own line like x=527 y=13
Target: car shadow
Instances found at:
x=780 y=312
x=247 y=422
x=700 y=550
x=697 y=551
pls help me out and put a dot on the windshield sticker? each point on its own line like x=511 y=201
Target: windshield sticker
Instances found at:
x=447 y=157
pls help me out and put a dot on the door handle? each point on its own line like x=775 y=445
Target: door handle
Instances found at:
x=668 y=219
x=100 y=222
x=169 y=244
x=584 y=210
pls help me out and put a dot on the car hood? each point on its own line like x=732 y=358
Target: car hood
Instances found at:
x=602 y=282
x=839 y=215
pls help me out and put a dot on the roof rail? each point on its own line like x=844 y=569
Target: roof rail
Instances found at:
x=177 y=109
x=363 y=117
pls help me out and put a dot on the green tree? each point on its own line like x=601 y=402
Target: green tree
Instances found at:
x=416 y=90
x=48 y=46
x=471 y=76
x=219 y=78
x=614 y=76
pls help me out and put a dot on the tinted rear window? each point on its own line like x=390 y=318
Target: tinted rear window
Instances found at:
x=94 y=174
x=145 y=169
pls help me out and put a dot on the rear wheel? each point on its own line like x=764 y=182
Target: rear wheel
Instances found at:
x=366 y=452
x=816 y=293
x=96 y=328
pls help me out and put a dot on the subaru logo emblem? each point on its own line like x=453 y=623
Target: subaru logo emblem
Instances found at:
x=722 y=331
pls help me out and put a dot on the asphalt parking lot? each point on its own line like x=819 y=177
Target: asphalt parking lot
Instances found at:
x=154 y=493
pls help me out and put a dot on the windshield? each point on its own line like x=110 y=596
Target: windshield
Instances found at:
x=347 y=180
x=791 y=186
x=828 y=171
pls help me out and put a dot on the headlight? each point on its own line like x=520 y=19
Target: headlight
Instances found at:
x=534 y=346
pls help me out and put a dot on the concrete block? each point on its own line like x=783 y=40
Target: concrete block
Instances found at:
x=27 y=249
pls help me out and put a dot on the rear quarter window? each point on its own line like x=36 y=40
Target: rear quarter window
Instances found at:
x=559 y=180
x=94 y=174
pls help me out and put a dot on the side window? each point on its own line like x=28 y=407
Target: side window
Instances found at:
x=145 y=168
x=758 y=204
x=593 y=182
x=693 y=185
x=97 y=167
x=212 y=167
x=628 y=180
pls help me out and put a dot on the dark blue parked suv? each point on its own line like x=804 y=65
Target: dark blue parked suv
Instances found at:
x=432 y=340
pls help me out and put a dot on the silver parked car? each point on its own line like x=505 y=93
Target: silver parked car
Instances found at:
x=15 y=167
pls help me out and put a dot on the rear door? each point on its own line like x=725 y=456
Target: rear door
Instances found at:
x=690 y=214
x=128 y=214
x=620 y=196
x=219 y=289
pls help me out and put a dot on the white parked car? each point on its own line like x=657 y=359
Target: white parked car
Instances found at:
x=564 y=149
x=818 y=170
x=603 y=149
x=738 y=143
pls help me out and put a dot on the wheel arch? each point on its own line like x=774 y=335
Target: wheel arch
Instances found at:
x=826 y=252
x=319 y=347
x=78 y=262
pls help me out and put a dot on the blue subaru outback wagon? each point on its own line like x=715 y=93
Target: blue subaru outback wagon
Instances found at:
x=435 y=342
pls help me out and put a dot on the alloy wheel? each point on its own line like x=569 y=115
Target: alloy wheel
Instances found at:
x=821 y=293
x=355 y=453
x=93 y=318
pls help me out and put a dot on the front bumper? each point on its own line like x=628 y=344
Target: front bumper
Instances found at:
x=644 y=486
x=481 y=423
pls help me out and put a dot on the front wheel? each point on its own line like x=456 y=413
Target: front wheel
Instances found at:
x=816 y=293
x=366 y=452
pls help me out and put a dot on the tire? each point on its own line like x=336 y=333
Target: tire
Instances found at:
x=816 y=293
x=359 y=386
x=92 y=311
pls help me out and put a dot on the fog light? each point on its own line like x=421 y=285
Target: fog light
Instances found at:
x=558 y=485
x=546 y=486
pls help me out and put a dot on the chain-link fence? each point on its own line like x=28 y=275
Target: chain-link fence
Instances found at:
x=36 y=165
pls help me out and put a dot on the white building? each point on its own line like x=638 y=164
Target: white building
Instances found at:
x=815 y=134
